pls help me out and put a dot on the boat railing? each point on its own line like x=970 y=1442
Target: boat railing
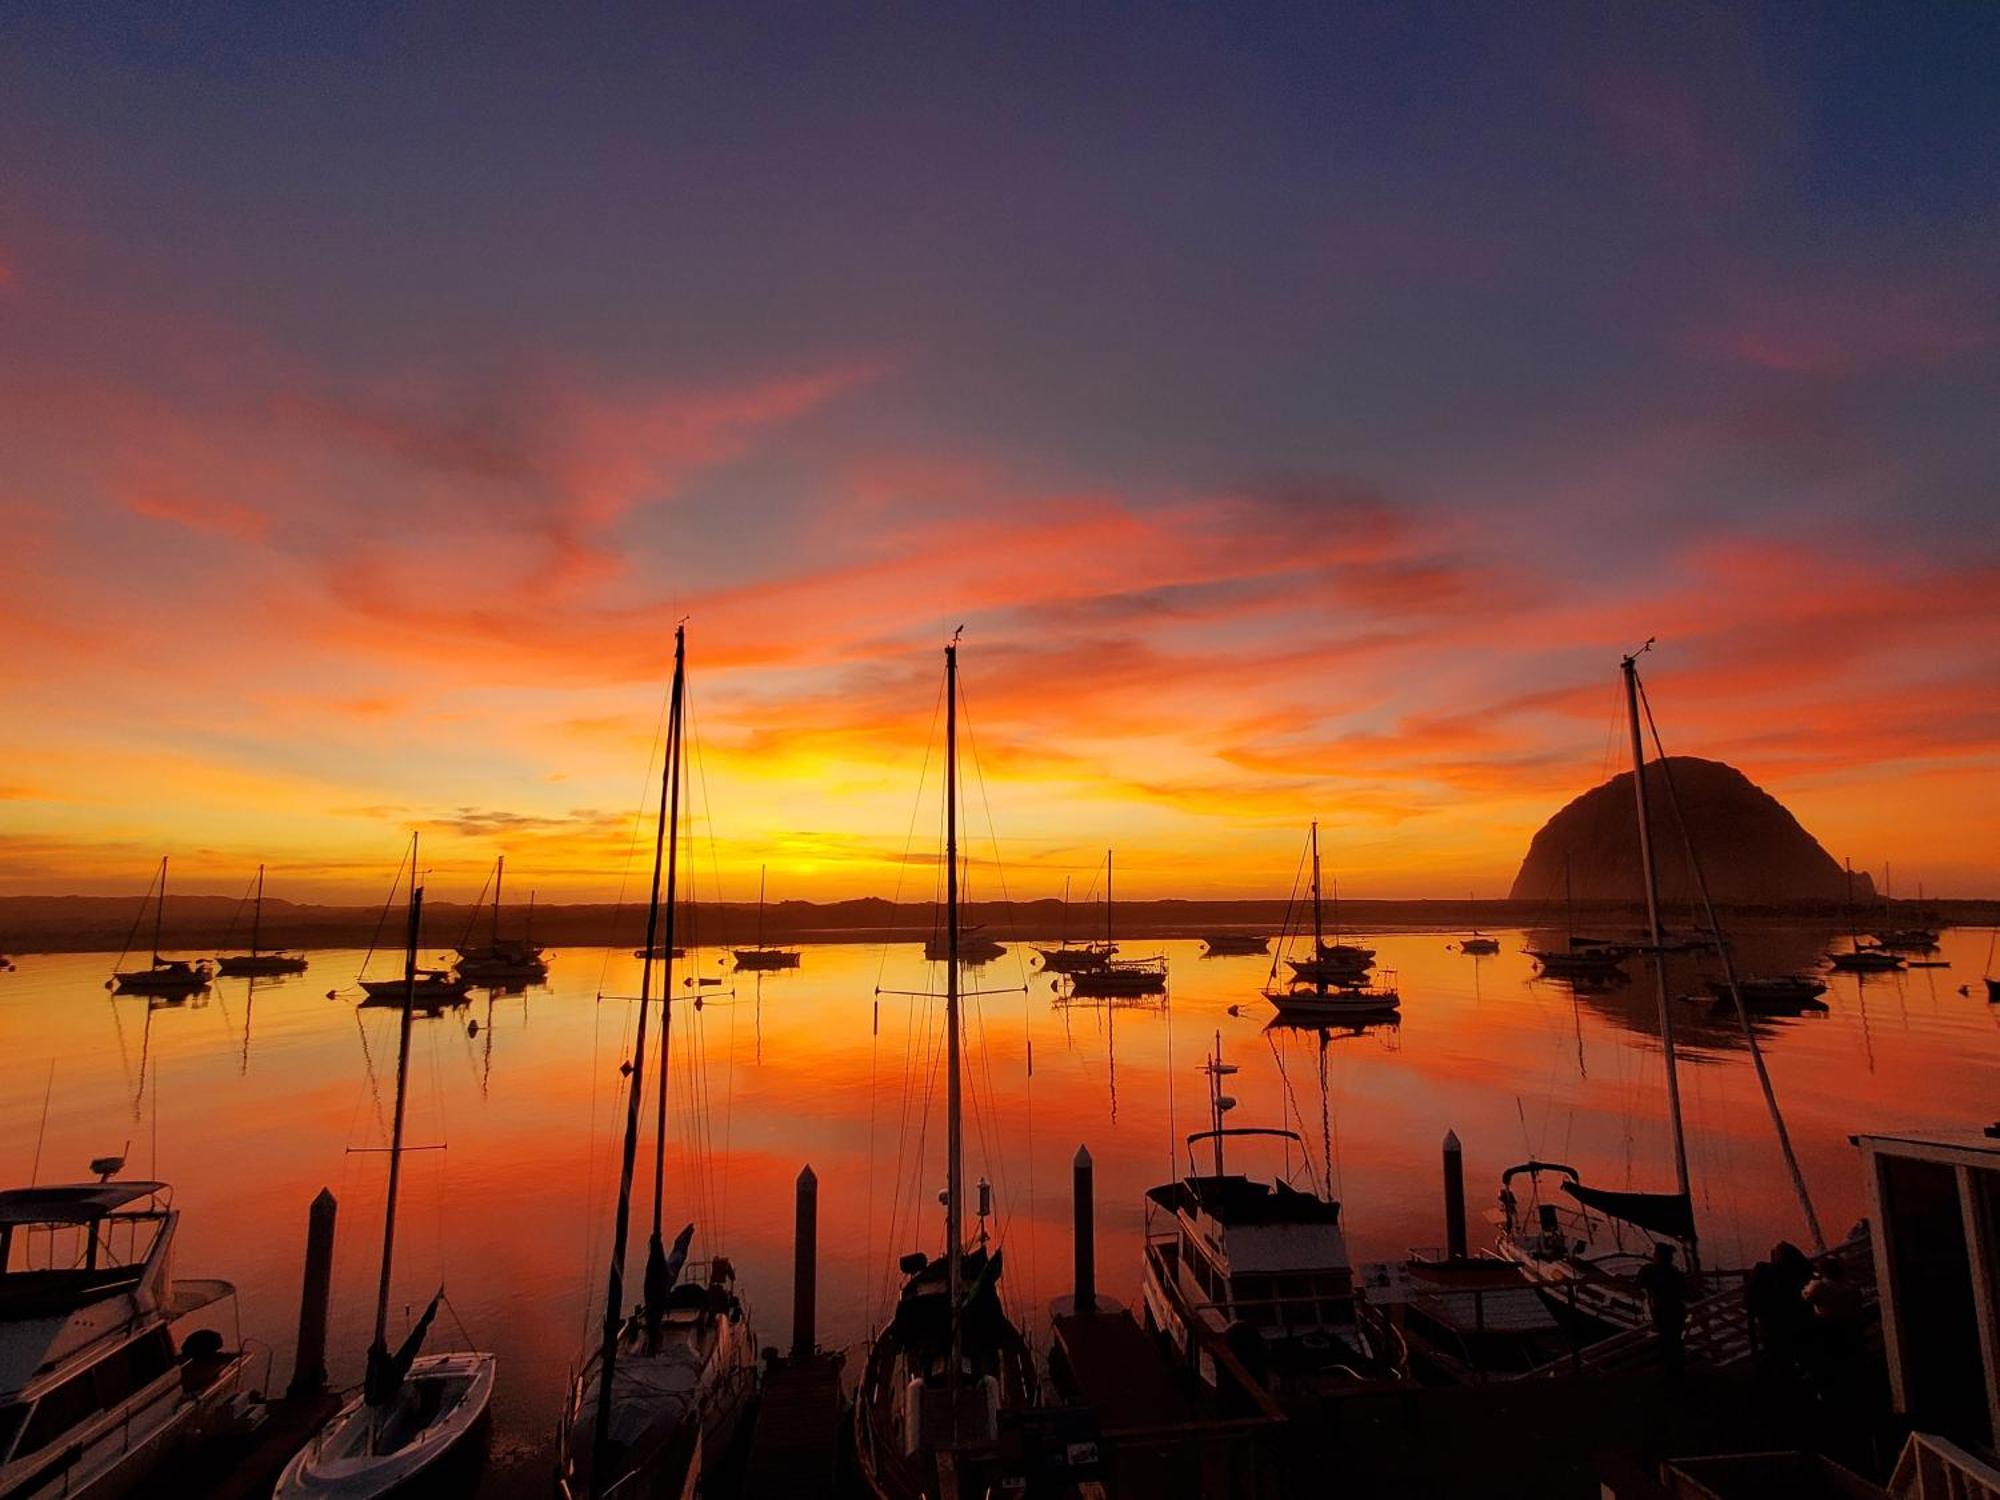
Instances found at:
x=1936 y=1468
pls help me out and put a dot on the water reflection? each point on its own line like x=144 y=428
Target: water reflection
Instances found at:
x=248 y=1100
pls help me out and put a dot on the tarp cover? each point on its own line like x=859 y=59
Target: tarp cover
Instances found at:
x=1669 y=1214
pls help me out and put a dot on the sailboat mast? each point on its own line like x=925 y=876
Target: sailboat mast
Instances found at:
x=257 y=915
x=676 y=752
x=499 y=872
x=402 y=1100
x=762 y=871
x=614 y=1296
x=1630 y=667
x=1107 y=897
x=1318 y=940
x=954 y=1121
x=160 y=911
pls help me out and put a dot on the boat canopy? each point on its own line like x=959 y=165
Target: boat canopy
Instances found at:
x=1669 y=1214
x=1535 y=1168
x=78 y=1203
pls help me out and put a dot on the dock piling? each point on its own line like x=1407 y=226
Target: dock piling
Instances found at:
x=1454 y=1197
x=1086 y=1233
x=309 y=1368
x=805 y=1263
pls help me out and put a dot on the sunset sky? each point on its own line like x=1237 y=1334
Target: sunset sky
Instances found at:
x=1302 y=409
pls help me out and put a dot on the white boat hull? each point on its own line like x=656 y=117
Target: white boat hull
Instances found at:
x=341 y=1462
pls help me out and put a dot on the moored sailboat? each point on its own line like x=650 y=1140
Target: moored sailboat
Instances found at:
x=1114 y=978
x=926 y=1416
x=415 y=1414
x=1333 y=981
x=260 y=961
x=504 y=961
x=764 y=955
x=1859 y=957
x=165 y=978
x=669 y=1383
x=1073 y=958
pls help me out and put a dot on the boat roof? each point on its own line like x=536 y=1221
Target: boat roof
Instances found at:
x=74 y=1203
x=1245 y=1200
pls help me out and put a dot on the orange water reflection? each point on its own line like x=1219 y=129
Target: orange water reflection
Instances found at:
x=249 y=1101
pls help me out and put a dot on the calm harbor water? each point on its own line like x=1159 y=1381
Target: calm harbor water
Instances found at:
x=248 y=1100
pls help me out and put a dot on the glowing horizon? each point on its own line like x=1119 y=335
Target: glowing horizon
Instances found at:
x=1317 y=453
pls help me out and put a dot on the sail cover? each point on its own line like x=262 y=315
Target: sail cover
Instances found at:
x=1668 y=1214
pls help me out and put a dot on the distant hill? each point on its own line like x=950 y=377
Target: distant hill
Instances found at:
x=1753 y=851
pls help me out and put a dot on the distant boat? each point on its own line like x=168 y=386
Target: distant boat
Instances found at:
x=1113 y=978
x=428 y=990
x=1074 y=958
x=661 y=1397
x=1259 y=1268
x=167 y=978
x=1333 y=983
x=659 y=952
x=1590 y=959
x=974 y=947
x=415 y=1412
x=1477 y=942
x=109 y=1364
x=764 y=956
x=1782 y=992
x=1226 y=944
x=259 y=960
x=501 y=961
x=951 y=1365
x=1857 y=958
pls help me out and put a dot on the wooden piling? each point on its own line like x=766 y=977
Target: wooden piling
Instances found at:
x=1454 y=1197
x=309 y=1368
x=805 y=1263
x=1086 y=1232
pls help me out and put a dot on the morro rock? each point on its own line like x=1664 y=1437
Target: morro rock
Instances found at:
x=1752 y=850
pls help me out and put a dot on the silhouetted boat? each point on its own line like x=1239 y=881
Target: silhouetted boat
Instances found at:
x=431 y=989
x=166 y=978
x=416 y=1414
x=1258 y=1268
x=1334 y=984
x=669 y=1383
x=927 y=1413
x=1777 y=993
x=974 y=947
x=764 y=956
x=1858 y=958
x=503 y=961
x=1468 y=1320
x=260 y=961
x=1074 y=958
x=1477 y=942
x=1117 y=977
x=109 y=1364
x=1230 y=944
x=1584 y=958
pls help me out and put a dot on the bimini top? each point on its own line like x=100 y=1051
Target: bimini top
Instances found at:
x=73 y=1203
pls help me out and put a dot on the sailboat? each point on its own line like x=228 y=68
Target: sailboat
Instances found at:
x=1858 y=958
x=764 y=956
x=1258 y=1268
x=669 y=1383
x=1115 y=977
x=1581 y=1246
x=260 y=960
x=1073 y=958
x=1334 y=981
x=1588 y=959
x=415 y=1413
x=501 y=961
x=926 y=1416
x=167 y=978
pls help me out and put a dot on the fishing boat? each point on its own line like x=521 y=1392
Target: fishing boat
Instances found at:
x=764 y=956
x=417 y=1417
x=260 y=961
x=504 y=961
x=670 y=1381
x=1859 y=957
x=1237 y=1267
x=927 y=1413
x=1234 y=944
x=164 y=978
x=110 y=1365
x=1073 y=958
x=1114 y=978
x=1332 y=985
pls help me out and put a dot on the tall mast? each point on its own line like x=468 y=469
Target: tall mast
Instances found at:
x=656 y=1250
x=499 y=871
x=1317 y=939
x=1107 y=896
x=954 y=1123
x=761 y=872
x=402 y=1098
x=614 y=1296
x=257 y=915
x=160 y=911
x=1630 y=667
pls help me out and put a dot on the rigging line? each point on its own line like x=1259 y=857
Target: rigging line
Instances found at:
x=382 y=918
x=473 y=911
x=1729 y=976
x=236 y=915
x=139 y=916
x=910 y=834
